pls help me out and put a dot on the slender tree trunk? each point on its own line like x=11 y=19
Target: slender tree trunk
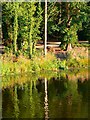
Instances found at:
x=60 y=11
x=68 y=14
x=30 y=36
x=34 y=47
x=31 y=23
x=16 y=105
x=69 y=46
x=15 y=27
x=30 y=42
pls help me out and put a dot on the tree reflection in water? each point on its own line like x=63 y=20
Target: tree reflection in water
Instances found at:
x=0 y=99
x=16 y=103
x=46 y=101
x=43 y=97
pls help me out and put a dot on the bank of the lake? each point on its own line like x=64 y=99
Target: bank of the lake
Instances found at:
x=77 y=58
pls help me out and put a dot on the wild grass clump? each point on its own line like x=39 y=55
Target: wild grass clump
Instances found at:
x=48 y=62
x=77 y=58
x=82 y=45
x=11 y=64
x=20 y=65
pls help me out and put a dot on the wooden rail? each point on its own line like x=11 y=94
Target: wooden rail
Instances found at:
x=2 y=48
x=49 y=44
x=39 y=46
x=83 y=41
x=54 y=43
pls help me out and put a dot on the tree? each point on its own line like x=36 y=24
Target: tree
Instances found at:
x=15 y=32
x=23 y=25
x=37 y=29
x=84 y=33
x=10 y=22
x=75 y=17
x=65 y=19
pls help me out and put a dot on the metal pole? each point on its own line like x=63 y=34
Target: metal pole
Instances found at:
x=45 y=44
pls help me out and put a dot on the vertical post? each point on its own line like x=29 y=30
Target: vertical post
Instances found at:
x=45 y=44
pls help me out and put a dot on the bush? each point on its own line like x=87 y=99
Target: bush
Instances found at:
x=23 y=64
x=75 y=58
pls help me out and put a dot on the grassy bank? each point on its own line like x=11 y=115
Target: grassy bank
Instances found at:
x=78 y=57
x=10 y=64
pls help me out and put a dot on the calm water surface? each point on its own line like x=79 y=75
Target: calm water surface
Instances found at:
x=52 y=95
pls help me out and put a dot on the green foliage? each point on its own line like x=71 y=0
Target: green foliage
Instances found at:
x=63 y=65
x=15 y=32
x=65 y=19
x=22 y=25
x=13 y=65
x=20 y=64
x=70 y=34
x=76 y=61
x=82 y=45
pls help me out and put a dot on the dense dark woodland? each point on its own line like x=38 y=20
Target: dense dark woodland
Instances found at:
x=23 y=23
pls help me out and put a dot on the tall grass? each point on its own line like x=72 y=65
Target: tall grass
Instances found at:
x=23 y=65
x=13 y=65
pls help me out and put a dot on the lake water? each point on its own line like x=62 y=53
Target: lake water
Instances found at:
x=46 y=95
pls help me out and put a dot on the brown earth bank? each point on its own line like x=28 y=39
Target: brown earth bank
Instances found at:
x=74 y=52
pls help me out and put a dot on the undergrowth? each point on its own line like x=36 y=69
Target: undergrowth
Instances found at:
x=21 y=64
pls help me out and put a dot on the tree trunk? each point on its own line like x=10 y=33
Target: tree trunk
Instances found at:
x=15 y=27
x=30 y=42
x=69 y=47
x=34 y=47
x=69 y=18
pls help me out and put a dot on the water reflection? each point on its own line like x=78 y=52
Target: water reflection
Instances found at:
x=0 y=97
x=0 y=103
x=16 y=102
x=30 y=96
x=46 y=101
